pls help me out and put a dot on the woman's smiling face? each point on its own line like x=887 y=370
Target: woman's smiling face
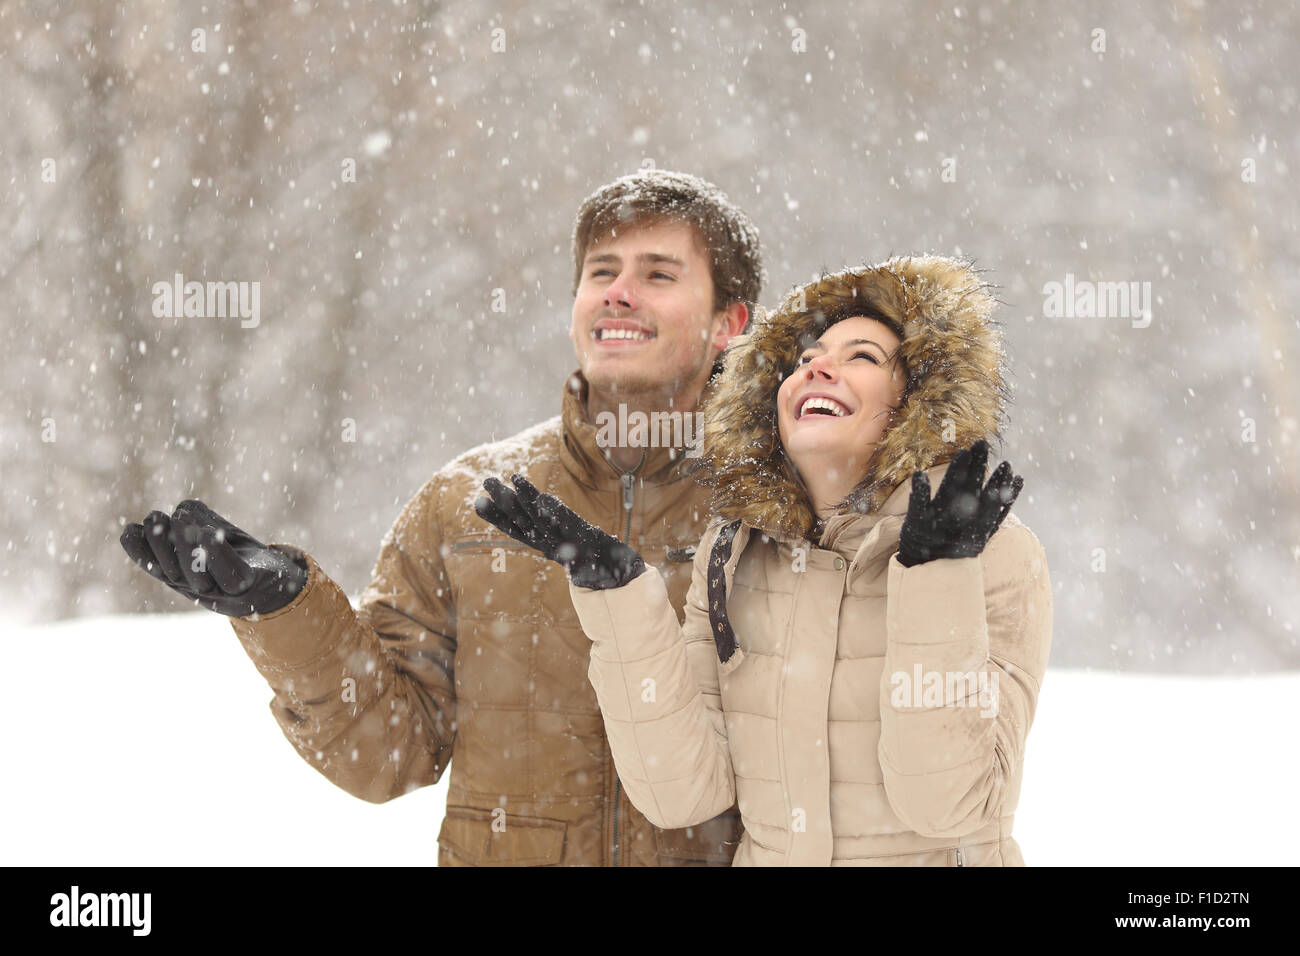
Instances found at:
x=834 y=408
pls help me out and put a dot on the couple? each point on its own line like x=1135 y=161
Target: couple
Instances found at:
x=842 y=627
x=466 y=654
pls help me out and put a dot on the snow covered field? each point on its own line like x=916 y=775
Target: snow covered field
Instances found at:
x=147 y=741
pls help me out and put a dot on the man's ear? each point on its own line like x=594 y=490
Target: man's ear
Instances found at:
x=728 y=323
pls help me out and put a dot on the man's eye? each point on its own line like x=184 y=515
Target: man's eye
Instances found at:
x=602 y=272
x=661 y=275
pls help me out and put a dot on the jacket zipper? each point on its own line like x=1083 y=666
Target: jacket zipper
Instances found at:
x=628 y=497
x=626 y=478
x=959 y=862
x=628 y=486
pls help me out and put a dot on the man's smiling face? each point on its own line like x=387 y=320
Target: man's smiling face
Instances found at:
x=643 y=319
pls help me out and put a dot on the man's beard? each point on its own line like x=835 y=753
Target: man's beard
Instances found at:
x=634 y=383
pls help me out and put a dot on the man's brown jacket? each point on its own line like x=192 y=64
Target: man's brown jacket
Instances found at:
x=466 y=651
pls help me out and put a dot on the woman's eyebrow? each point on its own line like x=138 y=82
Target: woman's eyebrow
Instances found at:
x=868 y=342
x=819 y=345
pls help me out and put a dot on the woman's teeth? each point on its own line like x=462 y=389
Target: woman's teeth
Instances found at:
x=830 y=405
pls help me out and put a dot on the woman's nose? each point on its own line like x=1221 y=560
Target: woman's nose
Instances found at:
x=823 y=366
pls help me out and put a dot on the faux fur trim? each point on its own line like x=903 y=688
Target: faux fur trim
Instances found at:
x=956 y=392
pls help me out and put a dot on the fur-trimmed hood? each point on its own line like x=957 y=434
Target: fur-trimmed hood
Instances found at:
x=956 y=392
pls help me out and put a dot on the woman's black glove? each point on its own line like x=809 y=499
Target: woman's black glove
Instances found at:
x=593 y=558
x=960 y=520
x=203 y=557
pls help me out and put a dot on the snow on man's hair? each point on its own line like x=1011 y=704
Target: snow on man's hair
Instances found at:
x=658 y=195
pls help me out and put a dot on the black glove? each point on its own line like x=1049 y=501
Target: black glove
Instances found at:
x=593 y=558
x=240 y=575
x=960 y=520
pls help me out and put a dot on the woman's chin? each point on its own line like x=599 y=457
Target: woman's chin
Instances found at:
x=823 y=455
x=815 y=445
x=813 y=451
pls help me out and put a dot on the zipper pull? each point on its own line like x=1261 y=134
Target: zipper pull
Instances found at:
x=959 y=861
x=627 y=480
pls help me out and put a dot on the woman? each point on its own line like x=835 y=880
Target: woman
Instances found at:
x=859 y=664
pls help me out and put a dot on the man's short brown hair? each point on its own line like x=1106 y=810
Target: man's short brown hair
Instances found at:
x=653 y=196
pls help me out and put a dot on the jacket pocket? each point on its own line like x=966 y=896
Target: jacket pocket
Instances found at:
x=469 y=836
x=976 y=854
x=711 y=843
x=486 y=544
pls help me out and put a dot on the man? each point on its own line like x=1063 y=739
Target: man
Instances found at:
x=466 y=649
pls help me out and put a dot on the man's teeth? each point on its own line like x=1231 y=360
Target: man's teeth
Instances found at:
x=832 y=406
x=606 y=334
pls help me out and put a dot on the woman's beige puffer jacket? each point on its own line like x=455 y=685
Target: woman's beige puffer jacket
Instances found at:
x=867 y=713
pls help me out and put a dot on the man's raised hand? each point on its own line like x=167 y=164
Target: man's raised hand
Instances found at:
x=202 y=556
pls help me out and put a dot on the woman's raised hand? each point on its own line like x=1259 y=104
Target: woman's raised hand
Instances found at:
x=593 y=558
x=962 y=517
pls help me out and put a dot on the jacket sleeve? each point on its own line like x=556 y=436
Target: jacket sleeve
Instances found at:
x=367 y=696
x=658 y=687
x=968 y=642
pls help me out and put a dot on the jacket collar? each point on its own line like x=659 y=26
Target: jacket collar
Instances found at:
x=587 y=461
x=847 y=531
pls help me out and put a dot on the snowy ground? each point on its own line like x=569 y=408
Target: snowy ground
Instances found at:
x=147 y=741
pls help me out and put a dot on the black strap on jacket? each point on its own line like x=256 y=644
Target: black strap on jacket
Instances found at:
x=723 y=636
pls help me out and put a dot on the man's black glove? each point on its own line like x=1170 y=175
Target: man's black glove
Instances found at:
x=593 y=558
x=960 y=520
x=201 y=555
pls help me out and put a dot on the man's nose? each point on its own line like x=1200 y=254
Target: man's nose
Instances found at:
x=621 y=295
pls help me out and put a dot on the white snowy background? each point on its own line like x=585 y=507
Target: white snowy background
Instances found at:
x=1162 y=463
x=146 y=740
